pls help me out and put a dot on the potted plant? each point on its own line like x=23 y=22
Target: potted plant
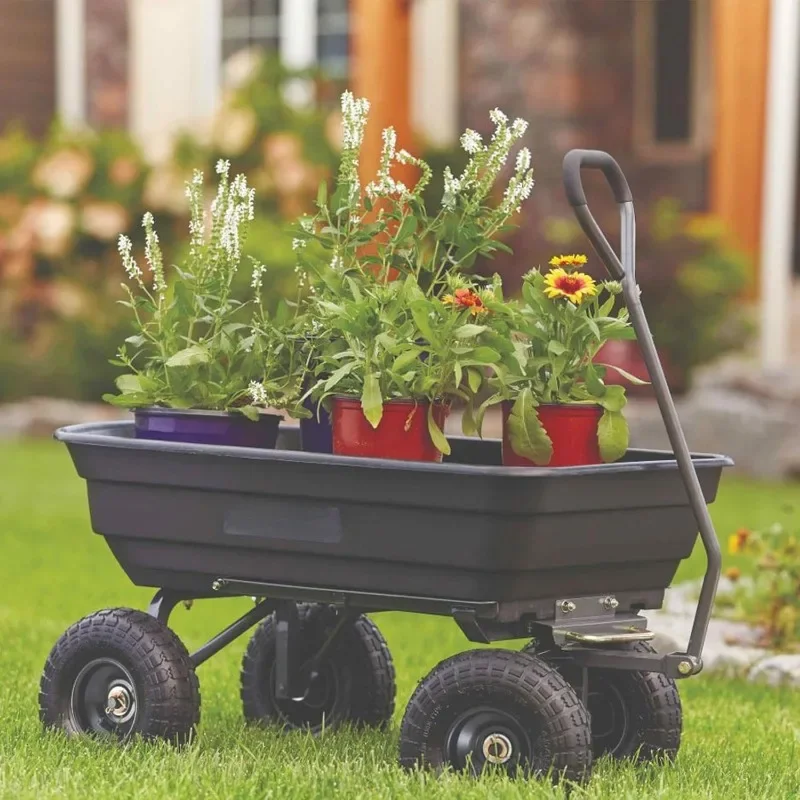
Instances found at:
x=557 y=408
x=194 y=359
x=377 y=266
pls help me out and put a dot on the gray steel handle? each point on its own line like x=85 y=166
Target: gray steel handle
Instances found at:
x=624 y=269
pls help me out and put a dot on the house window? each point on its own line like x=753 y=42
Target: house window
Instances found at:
x=333 y=39
x=289 y=27
x=250 y=23
x=672 y=76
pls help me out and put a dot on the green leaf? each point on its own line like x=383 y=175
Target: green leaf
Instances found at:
x=528 y=438
x=474 y=378
x=128 y=384
x=556 y=348
x=322 y=194
x=408 y=227
x=612 y=435
x=131 y=400
x=137 y=340
x=251 y=412
x=405 y=358
x=371 y=400
x=594 y=385
x=419 y=311
x=484 y=355
x=468 y=425
x=627 y=375
x=614 y=399
x=437 y=437
x=339 y=374
x=196 y=354
x=469 y=330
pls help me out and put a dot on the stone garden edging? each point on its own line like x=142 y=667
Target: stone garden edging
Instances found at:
x=731 y=646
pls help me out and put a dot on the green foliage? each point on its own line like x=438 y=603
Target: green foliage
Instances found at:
x=195 y=345
x=773 y=600
x=555 y=340
x=693 y=281
x=372 y=320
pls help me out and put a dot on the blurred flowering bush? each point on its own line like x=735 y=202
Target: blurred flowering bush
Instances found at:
x=773 y=599
x=65 y=200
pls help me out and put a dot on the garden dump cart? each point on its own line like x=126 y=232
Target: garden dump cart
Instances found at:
x=566 y=558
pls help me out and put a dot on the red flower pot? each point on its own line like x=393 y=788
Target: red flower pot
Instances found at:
x=402 y=433
x=572 y=427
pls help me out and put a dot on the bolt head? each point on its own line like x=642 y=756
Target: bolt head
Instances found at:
x=609 y=603
x=567 y=607
x=685 y=667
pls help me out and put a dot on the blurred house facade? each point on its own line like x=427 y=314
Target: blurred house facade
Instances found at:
x=697 y=98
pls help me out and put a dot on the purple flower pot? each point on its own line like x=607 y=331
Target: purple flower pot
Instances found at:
x=206 y=427
x=316 y=435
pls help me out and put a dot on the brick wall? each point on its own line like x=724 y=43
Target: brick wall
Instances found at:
x=567 y=66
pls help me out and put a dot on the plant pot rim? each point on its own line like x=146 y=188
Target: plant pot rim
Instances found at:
x=576 y=404
x=197 y=412
x=393 y=401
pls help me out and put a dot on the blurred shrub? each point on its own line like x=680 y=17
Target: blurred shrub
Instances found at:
x=773 y=600
x=692 y=283
x=65 y=200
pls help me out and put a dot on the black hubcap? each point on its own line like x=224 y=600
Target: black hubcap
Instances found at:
x=487 y=736
x=316 y=707
x=103 y=699
x=610 y=717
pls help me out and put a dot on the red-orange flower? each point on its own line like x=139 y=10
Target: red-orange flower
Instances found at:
x=466 y=298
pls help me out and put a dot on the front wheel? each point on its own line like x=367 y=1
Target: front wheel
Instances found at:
x=495 y=709
x=120 y=673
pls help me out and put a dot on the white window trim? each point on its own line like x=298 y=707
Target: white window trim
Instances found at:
x=779 y=185
x=434 y=70
x=71 y=61
x=298 y=46
x=644 y=68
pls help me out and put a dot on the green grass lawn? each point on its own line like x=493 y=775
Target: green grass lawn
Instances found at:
x=740 y=741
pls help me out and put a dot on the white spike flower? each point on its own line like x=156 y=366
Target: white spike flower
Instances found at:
x=471 y=141
x=498 y=117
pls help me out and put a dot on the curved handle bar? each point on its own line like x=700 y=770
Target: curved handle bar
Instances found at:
x=624 y=269
x=575 y=160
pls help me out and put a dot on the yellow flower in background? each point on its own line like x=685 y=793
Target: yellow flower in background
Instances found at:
x=738 y=540
x=569 y=262
x=572 y=285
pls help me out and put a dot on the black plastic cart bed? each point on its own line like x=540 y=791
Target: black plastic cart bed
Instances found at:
x=566 y=557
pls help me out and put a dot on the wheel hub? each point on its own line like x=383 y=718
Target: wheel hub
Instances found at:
x=103 y=699
x=486 y=735
x=119 y=702
x=497 y=748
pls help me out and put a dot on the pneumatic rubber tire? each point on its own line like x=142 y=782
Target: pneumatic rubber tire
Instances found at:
x=635 y=715
x=355 y=680
x=120 y=673
x=495 y=707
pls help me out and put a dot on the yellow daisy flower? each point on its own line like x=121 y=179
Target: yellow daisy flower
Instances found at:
x=569 y=262
x=572 y=285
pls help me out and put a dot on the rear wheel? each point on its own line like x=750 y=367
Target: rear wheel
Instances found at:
x=354 y=680
x=120 y=673
x=633 y=714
